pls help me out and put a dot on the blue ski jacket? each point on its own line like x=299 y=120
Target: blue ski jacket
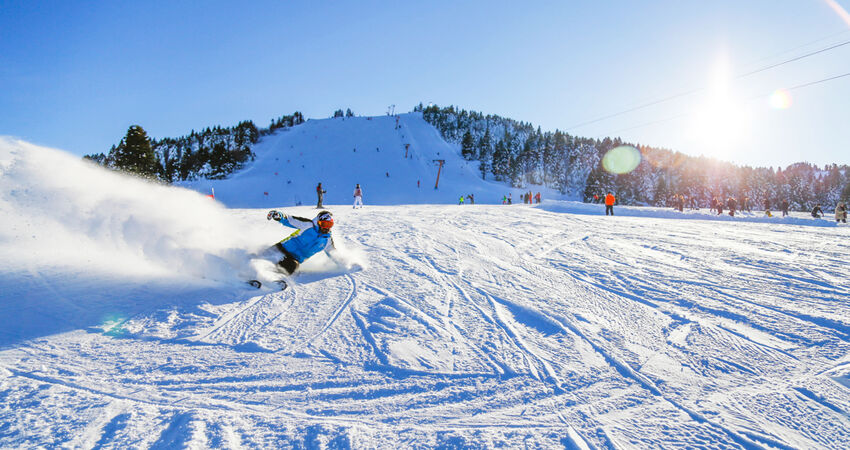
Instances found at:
x=307 y=240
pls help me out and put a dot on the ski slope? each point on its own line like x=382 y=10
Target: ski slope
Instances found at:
x=124 y=324
x=392 y=159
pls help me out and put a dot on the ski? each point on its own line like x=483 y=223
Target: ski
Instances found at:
x=259 y=284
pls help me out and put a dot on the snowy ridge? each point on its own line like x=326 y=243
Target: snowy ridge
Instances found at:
x=343 y=152
x=126 y=324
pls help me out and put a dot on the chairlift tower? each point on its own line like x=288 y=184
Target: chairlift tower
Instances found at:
x=440 y=169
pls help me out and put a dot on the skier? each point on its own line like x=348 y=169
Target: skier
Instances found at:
x=609 y=203
x=732 y=204
x=841 y=213
x=537 y=197
x=321 y=194
x=595 y=198
x=311 y=237
x=460 y=202
x=358 y=196
x=510 y=199
x=784 y=208
x=817 y=212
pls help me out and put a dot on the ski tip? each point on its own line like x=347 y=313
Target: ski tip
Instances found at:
x=255 y=283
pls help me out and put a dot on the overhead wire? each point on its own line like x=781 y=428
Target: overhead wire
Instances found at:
x=693 y=91
x=679 y=116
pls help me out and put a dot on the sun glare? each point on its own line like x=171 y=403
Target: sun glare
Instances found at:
x=720 y=122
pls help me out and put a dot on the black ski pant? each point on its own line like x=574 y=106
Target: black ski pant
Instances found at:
x=288 y=263
x=609 y=209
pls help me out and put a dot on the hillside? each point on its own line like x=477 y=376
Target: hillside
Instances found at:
x=342 y=152
x=126 y=323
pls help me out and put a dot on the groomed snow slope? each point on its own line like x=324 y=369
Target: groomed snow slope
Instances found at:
x=122 y=325
x=342 y=152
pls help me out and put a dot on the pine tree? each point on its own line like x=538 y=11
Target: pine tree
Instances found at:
x=134 y=154
x=485 y=154
x=845 y=194
x=467 y=146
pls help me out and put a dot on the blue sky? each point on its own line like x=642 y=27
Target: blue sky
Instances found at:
x=76 y=75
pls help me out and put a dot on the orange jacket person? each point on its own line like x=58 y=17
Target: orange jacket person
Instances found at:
x=609 y=203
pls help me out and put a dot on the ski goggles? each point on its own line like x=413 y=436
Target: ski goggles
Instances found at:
x=327 y=224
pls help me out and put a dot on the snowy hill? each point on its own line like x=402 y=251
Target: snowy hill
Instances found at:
x=342 y=152
x=124 y=324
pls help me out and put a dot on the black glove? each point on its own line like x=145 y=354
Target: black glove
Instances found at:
x=273 y=214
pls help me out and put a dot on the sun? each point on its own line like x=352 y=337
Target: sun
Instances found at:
x=721 y=120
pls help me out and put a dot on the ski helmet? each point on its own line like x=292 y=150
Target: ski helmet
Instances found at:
x=325 y=220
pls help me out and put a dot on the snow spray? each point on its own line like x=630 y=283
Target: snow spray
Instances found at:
x=59 y=210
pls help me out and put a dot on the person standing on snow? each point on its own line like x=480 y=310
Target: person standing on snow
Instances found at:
x=537 y=197
x=784 y=208
x=609 y=203
x=358 y=196
x=321 y=194
x=732 y=204
x=841 y=213
x=460 y=202
x=309 y=238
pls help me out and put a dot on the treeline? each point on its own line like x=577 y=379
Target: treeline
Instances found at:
x=212 y=153
x=520 y=154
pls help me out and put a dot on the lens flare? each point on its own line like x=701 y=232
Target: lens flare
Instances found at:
x=623 y=159
x=780 y=99
x=845 y=16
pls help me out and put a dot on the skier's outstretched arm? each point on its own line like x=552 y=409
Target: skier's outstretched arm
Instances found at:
x=290 y=221
x=330 y=248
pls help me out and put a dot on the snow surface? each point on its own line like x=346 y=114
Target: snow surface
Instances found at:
x=125 y=322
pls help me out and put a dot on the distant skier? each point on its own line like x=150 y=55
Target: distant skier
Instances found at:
x=460 y=202
x=841 y=213
x=817 y=212
x=609 y=203
x=784 y=207
x=537 y=197
x=732 y=203
x=471 y=198
x=358 y=196
x=595 y=198
x=311 y=237
x=510 y=199
x=321 y=194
